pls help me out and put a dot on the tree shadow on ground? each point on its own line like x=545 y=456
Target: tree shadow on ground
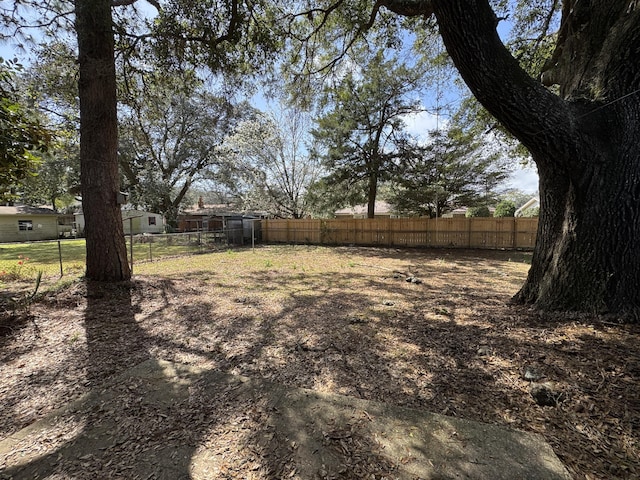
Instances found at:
x=129 y=438
x=471 y=367
x=398 y=343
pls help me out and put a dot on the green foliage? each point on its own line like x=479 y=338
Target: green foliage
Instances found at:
x=530 y=212
x=453 y=170
x=23 y=139
x=533 y=35
x=49 y=84
x=172 y=131
x=505 y=208
x=235 y=38
x=15 y=270
x=474 y=212
x=326 y=196
x=518 y=197
x=52 y=181
x=361 y=137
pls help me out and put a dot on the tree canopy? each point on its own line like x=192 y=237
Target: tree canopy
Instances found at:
x=452 y=170
x=268 y=165
x=23 y=138
x=361 y=137
x=172 y=132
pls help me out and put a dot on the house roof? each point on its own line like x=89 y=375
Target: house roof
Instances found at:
x=532 y=203
x=137 y=213
x=461 y=210
x=26 y=210
x=210 y=209
x=381 y=208
x=220 y=210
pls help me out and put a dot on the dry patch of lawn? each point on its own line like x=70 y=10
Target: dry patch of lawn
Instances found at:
x=346 y=320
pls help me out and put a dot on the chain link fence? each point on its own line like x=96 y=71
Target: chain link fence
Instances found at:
x=68 y=256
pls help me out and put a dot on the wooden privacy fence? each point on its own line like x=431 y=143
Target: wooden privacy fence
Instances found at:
x=491 y=233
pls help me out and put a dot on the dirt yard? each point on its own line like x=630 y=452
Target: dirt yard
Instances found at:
x=430 y=330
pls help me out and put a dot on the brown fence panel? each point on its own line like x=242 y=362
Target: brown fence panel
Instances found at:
x=525 y=232
x=490 y=233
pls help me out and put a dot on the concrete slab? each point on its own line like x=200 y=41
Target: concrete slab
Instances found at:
x=153 y=423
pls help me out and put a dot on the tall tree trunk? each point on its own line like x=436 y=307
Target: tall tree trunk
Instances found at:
x=106 y=249
x=372 y=192
x=586 y=144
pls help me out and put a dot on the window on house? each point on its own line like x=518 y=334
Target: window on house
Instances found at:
x=152 y=220
x=25 y=225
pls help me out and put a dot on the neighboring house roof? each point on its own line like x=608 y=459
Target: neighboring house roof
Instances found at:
x=220 y=210
x=381 y=208
x=458 y=212
x=26 y=210
x=532 y=203
x=210 y=209
x=137 y=213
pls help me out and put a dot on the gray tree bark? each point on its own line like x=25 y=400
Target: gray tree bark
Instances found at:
x=585 y=142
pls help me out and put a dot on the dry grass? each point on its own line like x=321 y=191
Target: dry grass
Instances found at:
x=345 y=320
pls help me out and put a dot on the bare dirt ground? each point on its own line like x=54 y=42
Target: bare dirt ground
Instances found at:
x=345 y=321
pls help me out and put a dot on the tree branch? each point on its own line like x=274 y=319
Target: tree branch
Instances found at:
x=122 y=3
x=361 y=29
x=527 y=109
x=155 y=4
x=409 y=8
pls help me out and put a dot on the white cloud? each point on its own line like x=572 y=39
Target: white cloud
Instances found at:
x=420 y=124
x=525 y=179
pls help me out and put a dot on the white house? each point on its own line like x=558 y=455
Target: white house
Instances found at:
x=533 y=203
x=22 y=223
x=137 y=220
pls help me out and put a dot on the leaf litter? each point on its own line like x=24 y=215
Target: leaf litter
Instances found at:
x=341 y=320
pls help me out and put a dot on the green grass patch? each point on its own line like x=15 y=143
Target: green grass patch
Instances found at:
x=24 y=260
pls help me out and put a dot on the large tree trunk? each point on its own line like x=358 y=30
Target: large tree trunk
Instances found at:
x=372 y=192
x=106 y=249
x=586 y=146
x=586 y=142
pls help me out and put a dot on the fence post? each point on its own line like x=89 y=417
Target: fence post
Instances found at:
x=131 y=242
x=60 y=257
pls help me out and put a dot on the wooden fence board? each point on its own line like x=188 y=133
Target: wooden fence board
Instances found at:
x=490 y=233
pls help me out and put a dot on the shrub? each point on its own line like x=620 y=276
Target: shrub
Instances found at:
x=505 y=208
x=530 y=212
x=478 y=212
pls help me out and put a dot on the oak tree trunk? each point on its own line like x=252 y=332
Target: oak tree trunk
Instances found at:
x=106 y=249
x=585 y=142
